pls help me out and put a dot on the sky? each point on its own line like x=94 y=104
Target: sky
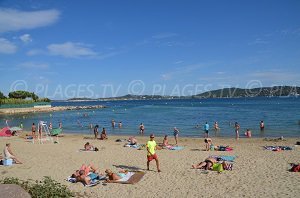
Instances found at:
x=96 y=49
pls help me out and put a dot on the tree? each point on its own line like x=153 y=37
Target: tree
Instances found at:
x=2 y=96
x=22 y=95
x=34 y=97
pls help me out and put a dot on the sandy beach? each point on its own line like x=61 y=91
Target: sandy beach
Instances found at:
x=256 y=172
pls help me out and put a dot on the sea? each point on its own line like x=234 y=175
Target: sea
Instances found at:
x=281 y=116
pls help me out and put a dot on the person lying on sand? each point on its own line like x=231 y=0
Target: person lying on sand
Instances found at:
x=212 y=164
x=89 y=147
x=206 y=164
x=86 y=174
x=115 y=176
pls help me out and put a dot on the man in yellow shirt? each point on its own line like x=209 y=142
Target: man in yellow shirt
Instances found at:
x=151 y=147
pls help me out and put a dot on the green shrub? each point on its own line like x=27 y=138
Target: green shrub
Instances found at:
x=45 y=188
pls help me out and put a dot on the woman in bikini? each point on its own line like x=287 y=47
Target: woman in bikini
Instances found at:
x=115 y=176
x=206 y=164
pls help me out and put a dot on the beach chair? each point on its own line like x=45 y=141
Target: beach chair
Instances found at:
x=44 y=128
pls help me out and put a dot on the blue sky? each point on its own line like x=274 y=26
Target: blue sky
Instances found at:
x=63 y=49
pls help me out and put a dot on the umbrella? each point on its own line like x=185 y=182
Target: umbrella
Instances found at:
x=15 y=129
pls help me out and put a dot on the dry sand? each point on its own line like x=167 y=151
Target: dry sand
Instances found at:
x=256 y=172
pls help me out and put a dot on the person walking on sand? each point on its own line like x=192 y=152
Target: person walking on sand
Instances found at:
x=176 y=133
x=237 y=128
x=96 y=131
x=151 y=147
x=206 y=128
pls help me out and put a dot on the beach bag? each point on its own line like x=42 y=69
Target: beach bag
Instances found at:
x=217 y=167
x=295 y=168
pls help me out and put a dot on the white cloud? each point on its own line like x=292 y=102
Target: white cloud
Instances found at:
x=258 y=41
x=276 y=75
x=34 y=65
x=14 y=20
x=26 y=38
x=164 y=35
x=183 y=71
x=71 y=50
x=178 y=62
x=7 y=47
x=34 y=52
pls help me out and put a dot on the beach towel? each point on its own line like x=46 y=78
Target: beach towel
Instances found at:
x=132 y=146
x=176 y=148
x=94 y=182
x=224 y=148
x=83 y=150
x=227 y=158
x=130 y=178
x=278 y=148
x=136 y=146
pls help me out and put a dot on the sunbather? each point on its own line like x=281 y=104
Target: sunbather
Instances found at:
x=132 y=140
x=212 y=164
x=8 y=154
x=103 y=135
x=86 y=174
x=206 y=164
x=165 y=141
x=89 y=147
x=115 y=176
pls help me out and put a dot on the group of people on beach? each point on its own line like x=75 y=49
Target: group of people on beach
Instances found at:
x=103 y=135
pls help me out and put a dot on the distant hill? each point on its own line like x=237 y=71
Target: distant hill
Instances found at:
x=220 y=93
x=80 y=99
x=262 y=91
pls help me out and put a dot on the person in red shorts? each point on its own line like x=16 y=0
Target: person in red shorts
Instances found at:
x=151 y=147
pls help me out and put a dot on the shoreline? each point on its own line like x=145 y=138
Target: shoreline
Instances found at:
x=5 y=111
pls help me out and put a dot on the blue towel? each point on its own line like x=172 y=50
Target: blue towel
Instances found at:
x=177 y=148
x=224 y=157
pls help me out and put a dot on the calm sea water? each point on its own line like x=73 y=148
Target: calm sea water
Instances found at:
x=281 y=116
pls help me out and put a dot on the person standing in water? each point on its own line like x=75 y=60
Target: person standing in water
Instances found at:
x=120 y=125
x=113 y=123
x=262 y=125
x=142 y=128
x=206 y=128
